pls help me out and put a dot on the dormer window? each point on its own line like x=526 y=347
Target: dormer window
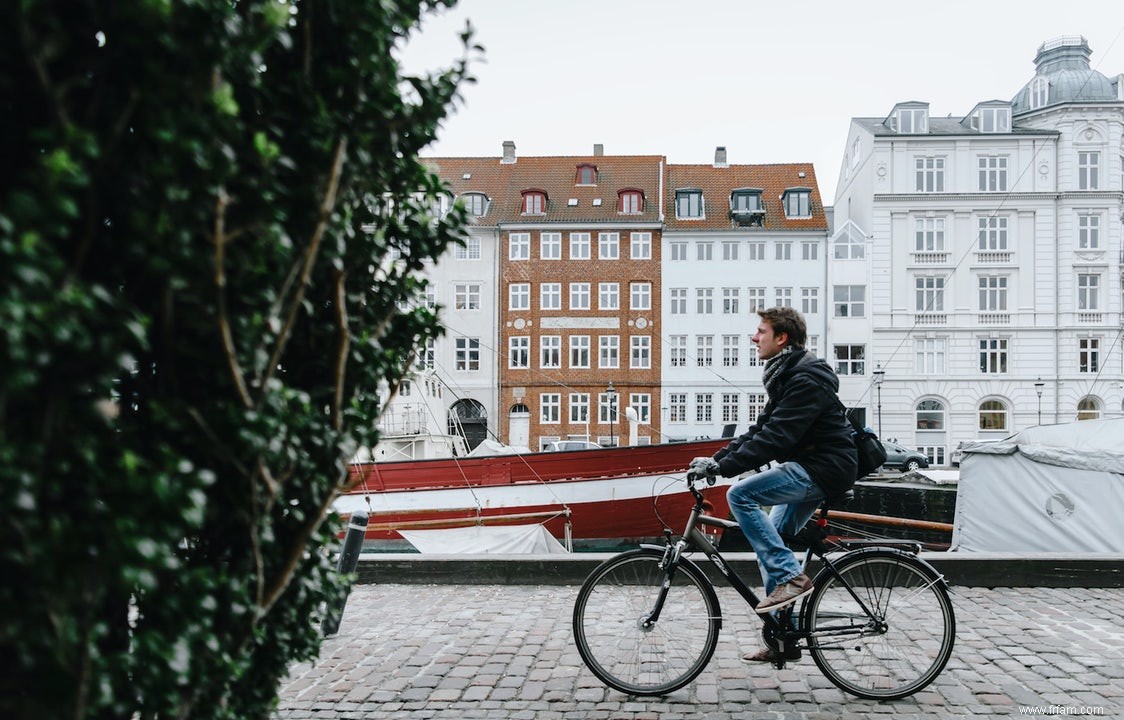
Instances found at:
x=475 y=203
x=534 y=202
x=746 y=208
x=1039 y=93
x=689 y=203
x=586 y=175
x=798 y=203
x=910 y=119
x=630 y=201
x=992 y=119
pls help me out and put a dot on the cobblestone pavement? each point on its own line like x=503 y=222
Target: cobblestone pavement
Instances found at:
x=467 y=651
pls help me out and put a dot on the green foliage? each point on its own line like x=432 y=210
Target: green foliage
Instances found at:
x=197 y=210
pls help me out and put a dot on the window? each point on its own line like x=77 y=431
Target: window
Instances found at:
x=550 y=246
x=730 y=350
x=809 y=250
x=1088 y=170
x=677 y=407
x=631 y=202
x=730 y=407
x=784 y=297
x=993 y=293
x=641 y=246
x=929 y=294
x=746 y=201
x=608 y=296
x=586 y=175
x=678 y=251
x=1039 y=92
x=813 y=344
x=641 y=351
x=688 y=204
x=519 y=351
x=850 y=301
x=550 y=296
x=519 y=246
x=1088 y=231
x=993 y=356
x=579 y=351
x=704 y=412
x=641 y=296
x=783 y=250
x=1088 y=408
x=753 y=360
x=704 y=350
x=1088 y=291
x=609 y=351
x=608 y=245
x=929 y=234
x=427 y=356
x=550 y=351
x=930 y=415
x=755 y=405
x=993 y=173
x=466 y=296
x=579 y=296
x=929 y=174
x=467 y=353
x=678 y=301
x=550 y=408
x=850 y=359
x=809 y=300
x=730 y=301
x=579 y=246
x=993 y=415
x=704 y=250
x=704 y=301
x=579 y=407
x=992 y=119
x=475 y=203
x=1088 y=355
x=677 y=350
x=755 y=299
x=519 y=296
x=798 y=203
x=606 y=407
x=642 y=403
x=534 y=202
x=993 y=233
x=730 y=250
x=912 y=120
x=756 y=250
x=929 y=356
x=850 y=245
x=469 y=251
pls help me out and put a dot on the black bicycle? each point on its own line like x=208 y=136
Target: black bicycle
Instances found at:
x=879 y=623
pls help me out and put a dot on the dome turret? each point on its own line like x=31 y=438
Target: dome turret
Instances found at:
x=1063 y=75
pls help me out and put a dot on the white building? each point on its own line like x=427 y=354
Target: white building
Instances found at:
x=993 y=253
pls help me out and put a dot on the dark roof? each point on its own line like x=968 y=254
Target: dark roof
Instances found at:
x=942 y=127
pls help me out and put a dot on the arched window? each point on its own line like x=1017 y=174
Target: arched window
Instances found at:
x=930 y=415
x=993 y=415
x=469 y=419
x=1089 y=408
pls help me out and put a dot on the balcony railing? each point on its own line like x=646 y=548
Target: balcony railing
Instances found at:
x=994 y=257
x=931 y=258
x=932 y=319
x=1091 y=318
x=995 y=318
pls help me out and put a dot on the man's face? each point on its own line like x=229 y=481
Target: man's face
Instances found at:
x=767 y=343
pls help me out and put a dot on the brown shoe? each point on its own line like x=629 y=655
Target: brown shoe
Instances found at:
x=769 y=655
x=786 y=594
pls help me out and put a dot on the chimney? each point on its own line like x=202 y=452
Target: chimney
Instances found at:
x=598 y=149
x=508 y=152
x=720 y=157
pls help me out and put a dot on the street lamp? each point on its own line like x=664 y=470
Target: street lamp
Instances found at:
x=1038 y=387
x=611 y=392
x=879 y=376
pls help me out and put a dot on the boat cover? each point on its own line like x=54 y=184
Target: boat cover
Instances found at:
x=497 y=540
x=1049 y=488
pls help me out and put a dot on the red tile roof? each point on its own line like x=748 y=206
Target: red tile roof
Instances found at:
x=716 y=184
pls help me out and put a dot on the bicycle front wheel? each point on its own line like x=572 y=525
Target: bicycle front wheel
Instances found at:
x=883 y=628
x=634 y=646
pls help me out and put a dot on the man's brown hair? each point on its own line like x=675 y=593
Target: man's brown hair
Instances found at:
x=788 y=321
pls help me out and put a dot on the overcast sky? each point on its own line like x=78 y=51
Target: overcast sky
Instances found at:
x=773 y=82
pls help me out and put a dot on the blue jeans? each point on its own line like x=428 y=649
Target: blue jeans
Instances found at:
x=794 y=497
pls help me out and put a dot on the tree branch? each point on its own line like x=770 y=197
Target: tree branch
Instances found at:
x=236 y=374
x=341 y=351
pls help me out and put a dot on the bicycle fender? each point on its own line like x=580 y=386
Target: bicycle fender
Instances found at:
x=883 y=551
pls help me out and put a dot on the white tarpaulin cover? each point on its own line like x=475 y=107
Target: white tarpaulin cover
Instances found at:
x=499 y=540
x=1050 y=488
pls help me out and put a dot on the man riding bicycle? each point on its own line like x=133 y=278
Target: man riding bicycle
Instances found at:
x=802 y=428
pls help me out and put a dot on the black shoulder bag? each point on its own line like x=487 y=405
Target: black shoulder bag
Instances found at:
x=869 y=449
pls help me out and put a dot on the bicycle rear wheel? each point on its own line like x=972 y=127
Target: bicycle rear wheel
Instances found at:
x=892 y=644
x=619 y=641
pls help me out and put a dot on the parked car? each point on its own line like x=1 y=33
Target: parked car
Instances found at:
x=900 y=458
x=564 y=445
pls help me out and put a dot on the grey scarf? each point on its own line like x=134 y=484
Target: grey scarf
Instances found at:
x=773 y=368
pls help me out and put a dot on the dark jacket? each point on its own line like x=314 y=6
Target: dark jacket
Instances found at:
x=802 y=422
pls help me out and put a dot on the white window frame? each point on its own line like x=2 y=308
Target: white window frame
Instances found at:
x=677 y=301
x=579 y=351
x=519 y=246
x=608 y=246
x=550 y=296
x=519 y=296
x=640 y=246
x=550 y=408
x=640 y=296
x=608 y=351
x=550 y=351
x=580 y=246
x=519 y=352
x=608 y=296
x=640 y=352
x=580 y=296
x=550 y=246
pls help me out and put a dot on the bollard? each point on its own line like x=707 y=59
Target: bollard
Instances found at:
x=349 y=559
